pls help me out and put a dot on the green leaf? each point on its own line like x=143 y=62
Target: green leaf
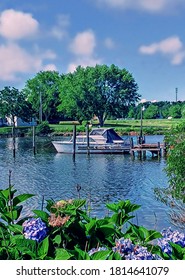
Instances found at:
x=101 y=255
x=113 y=207
x=114 y=256
x=81 y=255
x=57 y=239
x=27 y=246
x=15 y=228
x=78 y=203
x=7 y=193
x=178 y=252
x=13 y=215
x=42 y=214
x=152 y=234
x=43 y=248
x=143 y=233
x=107 y=230
x=62 y=254
x=90 y=227
x=115 y=219
x=20 y=198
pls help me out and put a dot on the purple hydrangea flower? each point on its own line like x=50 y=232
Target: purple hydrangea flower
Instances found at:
x=140 y=253
x=123 y=246
x=94 y=250
x=35 y=229
x=129 y=251
x=171 y=236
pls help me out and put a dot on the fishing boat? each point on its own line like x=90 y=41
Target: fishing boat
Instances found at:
x=99 y=141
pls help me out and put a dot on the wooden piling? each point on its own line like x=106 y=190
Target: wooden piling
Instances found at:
x=13 y=139
x=34 y=148
x=87 y=135
x=74 y=140
x=164 y=149
x=132 y=147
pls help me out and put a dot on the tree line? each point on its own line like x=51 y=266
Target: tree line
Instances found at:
x=104 y=92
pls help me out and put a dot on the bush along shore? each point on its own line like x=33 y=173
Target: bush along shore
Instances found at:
x=65 y=231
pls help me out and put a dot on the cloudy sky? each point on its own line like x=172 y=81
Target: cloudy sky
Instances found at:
x=147 y=37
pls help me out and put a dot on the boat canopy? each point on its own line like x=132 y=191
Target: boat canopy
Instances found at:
x=109 y=134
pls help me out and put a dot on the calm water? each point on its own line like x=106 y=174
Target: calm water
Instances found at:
x=102 y=178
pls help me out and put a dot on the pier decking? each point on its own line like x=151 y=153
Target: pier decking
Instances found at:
x=156 y=149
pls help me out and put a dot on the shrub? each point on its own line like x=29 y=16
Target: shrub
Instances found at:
x=43 y=128
x=65 y=231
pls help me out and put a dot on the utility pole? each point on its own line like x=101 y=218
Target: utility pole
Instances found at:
x=176 y=92
x=141 y=138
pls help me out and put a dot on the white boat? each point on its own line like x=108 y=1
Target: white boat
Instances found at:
x=101 y=141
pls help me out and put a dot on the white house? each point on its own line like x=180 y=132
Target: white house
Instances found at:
x=20 y=122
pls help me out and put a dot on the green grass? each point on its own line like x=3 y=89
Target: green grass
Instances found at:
x=158 y=126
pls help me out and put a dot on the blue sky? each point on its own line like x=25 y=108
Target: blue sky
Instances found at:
x=147 y=37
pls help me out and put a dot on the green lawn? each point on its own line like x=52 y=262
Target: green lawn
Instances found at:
x=159 y=126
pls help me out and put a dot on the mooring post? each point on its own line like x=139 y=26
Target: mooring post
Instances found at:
x=164 y=149
x=159 y=149
x=132 y=147
x=87 y=135
x=13 y=137
x=74 y=140
x=34 y=149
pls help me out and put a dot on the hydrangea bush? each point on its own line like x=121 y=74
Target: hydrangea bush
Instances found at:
x=65 y=231
x=170 y=237
x=35 y=229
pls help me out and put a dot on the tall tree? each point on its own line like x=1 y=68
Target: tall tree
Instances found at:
x=175 y=110
x=13 y=104
x=100 y=91
x=42 y=92
x=151 y=112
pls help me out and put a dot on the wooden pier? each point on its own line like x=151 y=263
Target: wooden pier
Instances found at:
x=156 y=149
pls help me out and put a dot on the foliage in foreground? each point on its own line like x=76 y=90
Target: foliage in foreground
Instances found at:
x=176 y=160
x=65 y=231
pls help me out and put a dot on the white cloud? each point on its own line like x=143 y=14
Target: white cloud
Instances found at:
x=143 y=100
x=178 y=58
x=172 y=46
x=23 y=62
x=109 y=43
x=50 y=67
x=83 y=48
x=84 y=43
x=59 y=31
x=146 y=5
x=48 y=54
x=16 y=25
x=83 y=62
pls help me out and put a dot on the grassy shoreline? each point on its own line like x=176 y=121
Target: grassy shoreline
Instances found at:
x=122 y=127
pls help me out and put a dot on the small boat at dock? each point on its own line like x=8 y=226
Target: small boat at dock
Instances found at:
x=99 y=141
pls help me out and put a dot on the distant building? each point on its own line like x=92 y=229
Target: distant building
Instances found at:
x=3 y=122
x=20 y=122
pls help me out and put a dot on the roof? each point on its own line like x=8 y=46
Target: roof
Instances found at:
x=109 y=134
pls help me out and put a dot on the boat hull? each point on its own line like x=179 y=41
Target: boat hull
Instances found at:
x=67 y=148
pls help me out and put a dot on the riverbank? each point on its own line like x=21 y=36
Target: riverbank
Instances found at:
x=122 y=127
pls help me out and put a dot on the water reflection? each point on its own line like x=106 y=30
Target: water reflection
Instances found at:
x=103 y=178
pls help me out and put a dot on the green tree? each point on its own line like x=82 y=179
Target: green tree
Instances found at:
x=151 y=112
x=42 y=92
x=175 y=111
x=176 y=160
x=101 y=90
x=183 y=111
x=13 y=104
